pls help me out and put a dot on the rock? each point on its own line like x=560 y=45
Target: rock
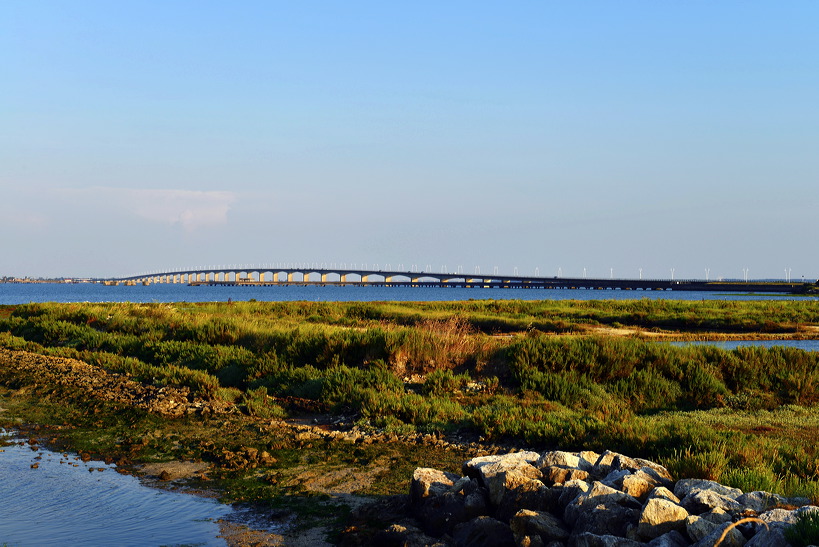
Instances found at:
x=524 y=494
x=637 y=487
x=773 y=537
x=430 y=482
x=538 y=523
x=671 y=539
x=733 y=538
x=606 y=519
x=664 y=493
x=404 y=536
x=659 y=517
x=717 y=516
x=164 y=475
x=559 y=459
x=560 y=475
x=599 y=494
x=594 y=540
x=440 y=508
x=701 y=501
x=759 y=501
x=471 y=467
x=587 y=460
x=698 y=528
x=686 y=486
x=615 y=477
x=483 y=532
x=501 y=476
x=779 y=517
x=570 y=490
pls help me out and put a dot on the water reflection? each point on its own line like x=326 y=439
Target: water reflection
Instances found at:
x=47 y=498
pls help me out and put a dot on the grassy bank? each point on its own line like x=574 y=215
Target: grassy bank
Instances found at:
x=548 y=374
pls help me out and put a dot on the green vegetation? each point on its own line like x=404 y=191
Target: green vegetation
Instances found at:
x=545 y=374
x=805 y=531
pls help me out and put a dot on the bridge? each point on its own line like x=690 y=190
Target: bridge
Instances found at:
x=267 y=276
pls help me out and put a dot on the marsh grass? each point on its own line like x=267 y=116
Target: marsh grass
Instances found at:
x=747 y=416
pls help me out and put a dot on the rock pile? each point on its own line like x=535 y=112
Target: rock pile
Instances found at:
x=585 y=499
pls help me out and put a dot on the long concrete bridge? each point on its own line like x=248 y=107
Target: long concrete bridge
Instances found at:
x=267 y=276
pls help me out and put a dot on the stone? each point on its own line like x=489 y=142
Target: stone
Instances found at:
x=717 y=516
x=558 y=458
x=594 y=540
x=441 y=514
x=671 y=539
x=404 y=536
x=571 y=490
x=523 y=494
x=701 y=501
x=759 y=501
x=779 y=517
x=587 y=460
x=687 y=486
x=773 y=537
x=664 y=493
x=615 y=477
x=483 y=532
x=505 y=474
x=606 y=519
x=560 y=475
x=430 y=482
x=599 y=494
x=659 y=517
x=733 y=538
x=698 y=528
x=470 y=468
x=636 y=486
x=544 y=525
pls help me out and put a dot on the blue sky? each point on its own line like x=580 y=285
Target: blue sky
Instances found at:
x=139 y=136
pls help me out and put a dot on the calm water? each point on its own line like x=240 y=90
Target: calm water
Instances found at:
x=807 y=345
x=60 y=504
x=13 y=293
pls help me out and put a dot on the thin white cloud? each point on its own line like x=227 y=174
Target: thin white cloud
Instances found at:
x=188 y=209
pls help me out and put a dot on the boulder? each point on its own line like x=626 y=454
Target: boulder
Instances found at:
x=698 y=528
x=570 y=490
x=664 y=493
x=471 y=467
x=659 y=517
x=773 y=537
x=483 y=532
x=559 y=475
x=430 y=482
x=559 y=459
x=702 y=501
x=504 y=474
x=607 y=519
x=779 y=517
x=544 y=525
x=587 y=460
x=733 y=538
x=599 y=494
x=671 y=539
x=686 y=486
x=594 y=540
x=405 y=536
x=759 y=501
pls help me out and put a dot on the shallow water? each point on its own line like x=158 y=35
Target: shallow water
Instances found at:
x=21 y=293
x=807 y=345
x=65 y=501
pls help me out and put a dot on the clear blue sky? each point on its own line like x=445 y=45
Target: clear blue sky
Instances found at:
x=137 y=136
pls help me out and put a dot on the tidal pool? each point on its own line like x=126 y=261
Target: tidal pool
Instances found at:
x=50 y=498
